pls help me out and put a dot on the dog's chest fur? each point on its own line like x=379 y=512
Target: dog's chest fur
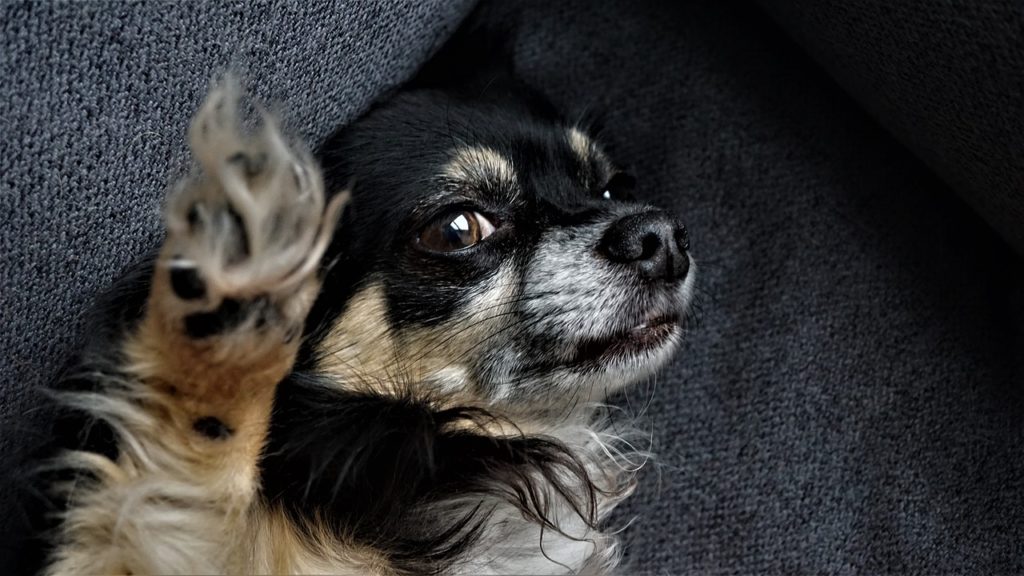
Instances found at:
x=504 y=540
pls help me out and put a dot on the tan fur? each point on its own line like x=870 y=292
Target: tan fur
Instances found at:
x=479 y=166
x=588 y=152
x=361 y=343
x=580 y=144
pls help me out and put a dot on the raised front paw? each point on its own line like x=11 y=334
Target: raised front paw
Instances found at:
x=246 y=232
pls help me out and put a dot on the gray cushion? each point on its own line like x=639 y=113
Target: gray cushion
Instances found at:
x=944 y=77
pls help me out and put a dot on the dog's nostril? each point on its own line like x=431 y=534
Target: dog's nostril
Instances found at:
x=649 y=246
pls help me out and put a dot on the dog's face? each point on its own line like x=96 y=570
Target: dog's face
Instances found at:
x=495 y=255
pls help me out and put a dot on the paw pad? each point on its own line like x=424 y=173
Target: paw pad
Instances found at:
x=228 y=315
x=212 y=428
x=186 y=282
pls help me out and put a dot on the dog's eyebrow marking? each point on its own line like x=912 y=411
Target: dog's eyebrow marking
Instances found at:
x=593 y=161
x=580 y=144
x=482 y=166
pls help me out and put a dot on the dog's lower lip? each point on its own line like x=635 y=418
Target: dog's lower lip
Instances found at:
x=644 y=336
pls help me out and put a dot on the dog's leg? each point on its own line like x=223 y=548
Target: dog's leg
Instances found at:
x=231 y=289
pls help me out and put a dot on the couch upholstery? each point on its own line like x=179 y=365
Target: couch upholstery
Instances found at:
x=850 y=400
x=944 y=77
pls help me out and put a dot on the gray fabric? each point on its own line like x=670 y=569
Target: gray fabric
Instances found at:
x=95 y=99
x=944 y=77
x=851 y=401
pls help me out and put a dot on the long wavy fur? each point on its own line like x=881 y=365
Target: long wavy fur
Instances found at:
x=380 y=470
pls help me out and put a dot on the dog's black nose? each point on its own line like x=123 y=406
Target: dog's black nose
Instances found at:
x=652 y=242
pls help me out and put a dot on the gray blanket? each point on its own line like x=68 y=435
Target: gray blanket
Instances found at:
x=850 y=400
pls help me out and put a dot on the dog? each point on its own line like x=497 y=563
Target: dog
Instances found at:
x=387 y=357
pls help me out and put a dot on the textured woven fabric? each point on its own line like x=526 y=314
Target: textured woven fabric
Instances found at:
x=851 y=401
x=944 y=77
x=95 y=99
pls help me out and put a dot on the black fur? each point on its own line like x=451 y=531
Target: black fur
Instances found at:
x=377 y=469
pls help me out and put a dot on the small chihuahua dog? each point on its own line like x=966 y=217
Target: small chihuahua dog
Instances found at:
x=386 y=358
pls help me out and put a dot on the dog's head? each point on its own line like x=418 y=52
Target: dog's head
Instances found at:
x=494 y=253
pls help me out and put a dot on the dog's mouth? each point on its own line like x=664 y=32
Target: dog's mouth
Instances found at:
x=648 y=335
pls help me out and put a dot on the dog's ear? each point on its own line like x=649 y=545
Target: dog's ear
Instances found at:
x=479 y=56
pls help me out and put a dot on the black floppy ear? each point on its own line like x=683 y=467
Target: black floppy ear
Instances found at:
x=480 y=55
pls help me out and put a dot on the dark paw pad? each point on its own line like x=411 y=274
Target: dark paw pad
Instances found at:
x=212 y=428
x=205 y=324
x=194 y=218
x=187 y=284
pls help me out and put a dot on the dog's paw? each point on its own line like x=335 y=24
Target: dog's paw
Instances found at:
x=245 y=234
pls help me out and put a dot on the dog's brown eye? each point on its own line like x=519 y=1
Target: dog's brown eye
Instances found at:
x=455 y=231
x=619 y=187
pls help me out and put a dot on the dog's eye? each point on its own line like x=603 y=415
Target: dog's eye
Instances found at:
x=619 y=187
x=455 y=231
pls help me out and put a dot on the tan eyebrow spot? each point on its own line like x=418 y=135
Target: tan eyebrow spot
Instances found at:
x=580 y=144
x=595 y=164
x=482 y=166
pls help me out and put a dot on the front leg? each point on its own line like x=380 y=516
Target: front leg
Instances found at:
x=230 y=292
x=234 y=282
